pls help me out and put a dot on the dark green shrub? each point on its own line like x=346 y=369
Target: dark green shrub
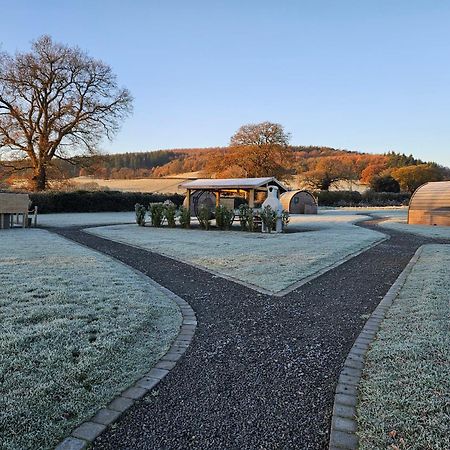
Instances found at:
x=140 y=214
x=269 y=218
x=170 y=211
x=285 y=219
x=224 y=217
x=368 y=198
x=385 y=184
x=156 y=211
x=246 y=218
x=339 y=198
x=184 y=217
x=96 y=201
x=204 y=216
x=371 y=198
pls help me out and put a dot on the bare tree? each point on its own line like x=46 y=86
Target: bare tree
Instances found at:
x=260 y=135
x=56 y=101
x=262 y=150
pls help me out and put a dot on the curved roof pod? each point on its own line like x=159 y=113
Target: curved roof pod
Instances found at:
x=199 y=198
x=430 y=204
x=299 y=202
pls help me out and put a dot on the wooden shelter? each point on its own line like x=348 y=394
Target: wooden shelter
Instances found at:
x=13 y=204
x=226 y=187
x=299 y=202
x=430 y=204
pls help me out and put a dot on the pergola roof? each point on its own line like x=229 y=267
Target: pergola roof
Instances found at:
x=232 y=183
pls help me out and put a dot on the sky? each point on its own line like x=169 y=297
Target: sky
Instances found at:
x=371 y=75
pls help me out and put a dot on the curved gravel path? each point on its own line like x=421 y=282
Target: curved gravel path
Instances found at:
x=262 y=370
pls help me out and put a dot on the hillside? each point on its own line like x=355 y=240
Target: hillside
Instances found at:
x=319 y=168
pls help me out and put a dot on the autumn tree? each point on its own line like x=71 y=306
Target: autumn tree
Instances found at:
x=327 y=171
x=372 y=171
x=56 y=101
x=411 y=177
x=261 y=150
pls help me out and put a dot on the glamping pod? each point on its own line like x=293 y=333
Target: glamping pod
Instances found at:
x=199 y=198
x=430 y=204
x=299 y=202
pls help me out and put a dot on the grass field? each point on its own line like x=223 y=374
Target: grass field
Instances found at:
x=77 y=328
x=404 y=393
x=271 y=262
x=80 y=219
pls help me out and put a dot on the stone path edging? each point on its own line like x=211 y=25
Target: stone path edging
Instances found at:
x=84 y=434
x=343 y=425
x=280 y=293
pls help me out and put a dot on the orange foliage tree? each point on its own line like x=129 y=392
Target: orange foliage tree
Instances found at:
x=411 y=177
x=256 y=150
x=372 y=171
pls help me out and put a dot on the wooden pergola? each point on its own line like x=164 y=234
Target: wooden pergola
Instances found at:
x=241 y=186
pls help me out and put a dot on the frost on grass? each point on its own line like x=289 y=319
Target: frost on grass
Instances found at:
x=76 y=328
x=75 y=219
x=399 y=224
x=269 y=261
x=404 y=397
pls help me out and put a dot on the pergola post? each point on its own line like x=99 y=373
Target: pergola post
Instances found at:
x=251 y=198
x=217 y=198
x=188 y=198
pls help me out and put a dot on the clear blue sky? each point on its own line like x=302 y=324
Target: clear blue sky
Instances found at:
x=369 y=75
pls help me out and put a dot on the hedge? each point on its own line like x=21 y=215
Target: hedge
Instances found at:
x=102 y=201
x=96 y=201
x=368 y=198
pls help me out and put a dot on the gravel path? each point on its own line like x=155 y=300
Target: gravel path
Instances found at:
x=262 y=370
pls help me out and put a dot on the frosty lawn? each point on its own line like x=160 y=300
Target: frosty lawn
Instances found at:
x=399 y=224
x=271 y=262
x=405 y=386
x=77 y=328
x=79 y=219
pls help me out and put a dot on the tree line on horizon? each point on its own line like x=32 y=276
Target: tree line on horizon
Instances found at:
x=319 y=167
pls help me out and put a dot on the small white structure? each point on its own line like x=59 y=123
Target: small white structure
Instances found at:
x=273 y=201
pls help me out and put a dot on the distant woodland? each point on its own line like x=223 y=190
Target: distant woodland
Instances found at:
x=319 y=167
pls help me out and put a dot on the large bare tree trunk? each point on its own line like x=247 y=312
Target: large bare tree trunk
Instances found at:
x=39 y=180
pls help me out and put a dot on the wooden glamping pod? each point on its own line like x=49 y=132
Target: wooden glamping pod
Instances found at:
x=430 y=204
x=299 y=202
x=199 y=198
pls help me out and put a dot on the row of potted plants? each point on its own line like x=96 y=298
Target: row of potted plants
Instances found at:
x=250 y=219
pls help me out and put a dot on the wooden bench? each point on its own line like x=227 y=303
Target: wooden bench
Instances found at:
x=13 y=204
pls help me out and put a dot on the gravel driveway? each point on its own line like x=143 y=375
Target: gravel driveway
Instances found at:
x=262 y=370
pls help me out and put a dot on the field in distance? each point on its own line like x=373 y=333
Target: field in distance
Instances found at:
x=170 y=184
x=166 y=185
